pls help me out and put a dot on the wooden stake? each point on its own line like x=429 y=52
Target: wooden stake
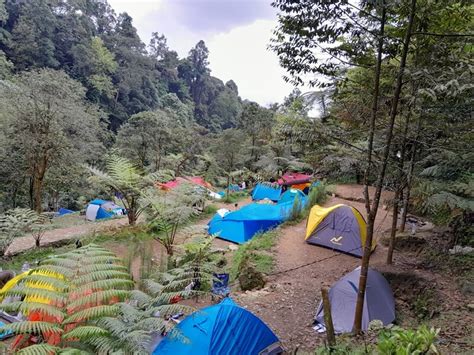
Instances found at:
x=331 y=338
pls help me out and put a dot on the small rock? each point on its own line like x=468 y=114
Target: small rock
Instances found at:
x=470 y=307
x=233 y=247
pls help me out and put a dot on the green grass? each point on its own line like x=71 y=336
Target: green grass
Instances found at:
x=258 y=251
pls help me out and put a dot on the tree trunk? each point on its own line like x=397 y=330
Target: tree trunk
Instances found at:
x=411 y=167
x=381 y=176
x=331 y=338
x=373 y=117
x=37 y=193
x=228 y=183
x=393 y=231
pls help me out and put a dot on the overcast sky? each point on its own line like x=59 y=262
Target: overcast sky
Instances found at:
x=237 y=33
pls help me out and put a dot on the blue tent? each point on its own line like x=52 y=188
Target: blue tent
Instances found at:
x=100 y=209
x=262 y=191
x=63 y=211
x=221 y=329
x=290 y=195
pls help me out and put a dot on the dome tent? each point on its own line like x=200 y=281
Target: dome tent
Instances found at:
x=338 y=227
x=378 y=303
x=100 y=209
x=224 y=328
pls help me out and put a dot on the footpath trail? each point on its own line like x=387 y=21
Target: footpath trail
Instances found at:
x=288 y=303
x=53 y=236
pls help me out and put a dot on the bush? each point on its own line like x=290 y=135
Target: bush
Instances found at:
x=318 y=195
x=400 y=341
x=296 y=211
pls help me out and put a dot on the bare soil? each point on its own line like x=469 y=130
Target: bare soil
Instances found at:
x=289 y=301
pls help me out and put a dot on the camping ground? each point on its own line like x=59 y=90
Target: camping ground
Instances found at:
x=424 y=293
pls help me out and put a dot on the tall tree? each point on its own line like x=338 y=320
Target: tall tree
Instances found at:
x=49 y=123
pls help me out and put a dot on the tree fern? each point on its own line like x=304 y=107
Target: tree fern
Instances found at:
x=39 y=349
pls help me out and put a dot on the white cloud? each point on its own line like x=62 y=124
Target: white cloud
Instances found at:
x=239 y=54
x=242 y=55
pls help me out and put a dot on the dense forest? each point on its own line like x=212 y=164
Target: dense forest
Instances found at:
x=87 y=110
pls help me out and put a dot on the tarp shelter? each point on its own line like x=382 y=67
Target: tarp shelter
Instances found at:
x=100 y=209
x=294 y=178
x=221 y=329
x=194 y=180
x=263 y=191
x=241 y=225
x=339 y=227
x=378 y=303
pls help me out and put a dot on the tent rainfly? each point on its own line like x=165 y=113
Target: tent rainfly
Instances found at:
x=221 y=329
x=339 y=227
x=378 y=303
x=100 y=209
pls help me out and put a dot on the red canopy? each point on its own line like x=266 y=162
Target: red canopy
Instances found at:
x=294 y=178
x=196 y=180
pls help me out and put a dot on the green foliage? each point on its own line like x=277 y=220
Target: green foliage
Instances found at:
x=318 y=195
x=296 y=212
x=405 y=342
x=167 y=211
x=126 y=179
x=257 y=251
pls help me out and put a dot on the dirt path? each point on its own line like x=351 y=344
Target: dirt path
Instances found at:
x=288 y=303
x=22 y=244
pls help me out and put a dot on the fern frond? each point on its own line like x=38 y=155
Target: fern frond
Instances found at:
x=93 y=313
x=152 y=287
x=103 y=344
x=37 y=293
x=115 y=326
x=55 y=269
x=39 y=349
x=98 y=298
x=42 y=281
x=153 y=323
x=141 y=297
x=100 y=259
x=102 y=267
x=85 y=331
x=172 y=309
x=60 y=261
x=27 y=307
x=32 y=327
x=106 y=285
x=101 y=275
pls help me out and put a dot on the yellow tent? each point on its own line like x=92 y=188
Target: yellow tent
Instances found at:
x=338 y=227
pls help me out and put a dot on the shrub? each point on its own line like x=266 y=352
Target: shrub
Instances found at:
x=404 y=342
x=317 y=195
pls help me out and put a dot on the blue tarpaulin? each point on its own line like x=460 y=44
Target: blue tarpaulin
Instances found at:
x=262 y=191
x=241 y=225
x=221 y=329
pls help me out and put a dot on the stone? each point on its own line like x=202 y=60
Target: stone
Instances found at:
x=467 y=288
x=470 y=307
x=233 y=247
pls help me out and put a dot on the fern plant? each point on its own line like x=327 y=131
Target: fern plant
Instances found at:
x=167 y=211
x=84 y=302
x=17 y=222
x=127 y=181
x=63 y=299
